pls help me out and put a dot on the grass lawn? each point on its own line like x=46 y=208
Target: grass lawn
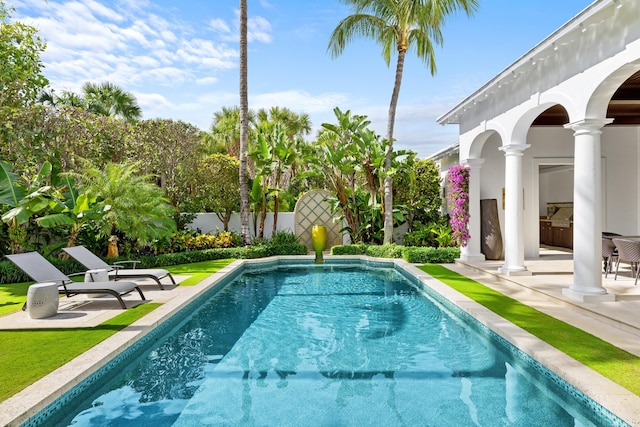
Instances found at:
x=614 y=363
x=28 y=355
x=198 y=270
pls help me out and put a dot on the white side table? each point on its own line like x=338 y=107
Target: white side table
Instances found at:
x=42 y=300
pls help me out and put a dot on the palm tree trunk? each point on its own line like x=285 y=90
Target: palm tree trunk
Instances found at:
x=388 y=179
x=244 y=127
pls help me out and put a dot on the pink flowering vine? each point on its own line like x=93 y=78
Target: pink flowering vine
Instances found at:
x=458 y=191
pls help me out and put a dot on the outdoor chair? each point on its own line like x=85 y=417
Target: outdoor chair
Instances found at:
x=628 y=250
x=41 y=270
x=93 y=262
x=609 y=253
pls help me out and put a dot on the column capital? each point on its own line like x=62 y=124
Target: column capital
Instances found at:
x=588 y=126
x=472 y=163
x=514 y=149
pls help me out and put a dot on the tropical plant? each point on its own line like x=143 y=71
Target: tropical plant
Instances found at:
x=262 y=155
x=244 y=127
x=224 y=135
x=134 y=205
x=103 y=99
x=24 y=200
x=397 y=25
x=71 y=210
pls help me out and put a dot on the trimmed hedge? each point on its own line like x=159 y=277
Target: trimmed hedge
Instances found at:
x=9 y=273
x=412 y=254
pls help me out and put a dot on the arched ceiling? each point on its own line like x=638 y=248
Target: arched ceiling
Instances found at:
x=624 y=107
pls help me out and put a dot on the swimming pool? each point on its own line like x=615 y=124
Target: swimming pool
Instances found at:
x=337 y=344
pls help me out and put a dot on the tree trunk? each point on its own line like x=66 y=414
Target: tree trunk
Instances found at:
x=244 y=127
x=388 y=179
x=276 y=206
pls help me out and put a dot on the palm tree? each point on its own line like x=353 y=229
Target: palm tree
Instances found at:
x=134 y=205
x=405 y=24
x=244 y=127
x=104 y=99
x=108 y=99
x=225 y=129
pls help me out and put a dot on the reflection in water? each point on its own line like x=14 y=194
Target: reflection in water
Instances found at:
x=342 y=348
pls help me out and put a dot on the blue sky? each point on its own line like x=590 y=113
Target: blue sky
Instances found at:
x=180 y=58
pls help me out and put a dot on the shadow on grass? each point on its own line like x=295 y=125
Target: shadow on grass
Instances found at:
x=614 y=363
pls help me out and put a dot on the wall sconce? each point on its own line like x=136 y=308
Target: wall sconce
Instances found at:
x=582 y=28
x=617 y=4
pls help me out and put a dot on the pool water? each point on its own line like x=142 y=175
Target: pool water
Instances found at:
x=327 y=346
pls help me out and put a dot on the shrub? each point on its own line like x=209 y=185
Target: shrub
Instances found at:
x=430 y=255
x=284 y=237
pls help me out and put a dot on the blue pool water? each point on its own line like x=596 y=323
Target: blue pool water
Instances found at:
x=325 y=346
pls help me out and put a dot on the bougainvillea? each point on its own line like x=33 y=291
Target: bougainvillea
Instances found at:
x=458 y=191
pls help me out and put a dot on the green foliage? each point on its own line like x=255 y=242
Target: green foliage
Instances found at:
x=418 y=189
x=133 y=205
x=430 y=255
x=284 y=237
x=168 y=150
x=215 y=187
x=409 y=254
x=21 y=77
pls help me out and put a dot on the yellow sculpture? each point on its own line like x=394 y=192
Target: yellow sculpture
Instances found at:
x=319 y=241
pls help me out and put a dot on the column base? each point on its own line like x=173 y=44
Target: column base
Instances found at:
x=514 y=271
x=472 y=257
x=584 y=297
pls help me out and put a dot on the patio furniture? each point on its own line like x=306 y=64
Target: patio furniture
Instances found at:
x=93 y=262
x=41 y=270
x=609 y=252
x=628 y=250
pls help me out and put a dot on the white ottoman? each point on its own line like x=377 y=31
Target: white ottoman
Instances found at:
x=42 y=300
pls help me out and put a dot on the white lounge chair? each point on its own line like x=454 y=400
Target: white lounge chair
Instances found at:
x=41 y=270
x=93 y=262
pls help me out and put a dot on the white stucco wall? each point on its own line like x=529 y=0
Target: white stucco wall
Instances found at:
x=209 y=223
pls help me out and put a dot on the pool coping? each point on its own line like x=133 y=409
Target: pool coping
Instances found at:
x=36 y=397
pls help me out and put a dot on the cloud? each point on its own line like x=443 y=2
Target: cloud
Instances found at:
x=126 y=44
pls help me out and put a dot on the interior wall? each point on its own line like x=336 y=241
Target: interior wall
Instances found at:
x=556 y=186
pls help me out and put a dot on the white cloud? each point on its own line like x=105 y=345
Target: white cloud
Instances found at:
x=259 y=29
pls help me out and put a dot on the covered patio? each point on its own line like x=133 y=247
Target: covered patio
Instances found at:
x=561 y=124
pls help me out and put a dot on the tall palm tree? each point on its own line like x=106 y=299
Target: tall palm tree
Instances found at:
x=244 y=127
x=405 y=24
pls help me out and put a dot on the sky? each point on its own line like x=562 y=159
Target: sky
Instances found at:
x=180 y=59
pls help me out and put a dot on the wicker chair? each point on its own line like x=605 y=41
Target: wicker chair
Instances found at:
x=609 y=253
x=628 y=250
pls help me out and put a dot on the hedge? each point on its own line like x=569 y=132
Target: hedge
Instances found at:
x=412 y=254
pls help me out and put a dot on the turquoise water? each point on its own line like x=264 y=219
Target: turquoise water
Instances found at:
x=326 y=346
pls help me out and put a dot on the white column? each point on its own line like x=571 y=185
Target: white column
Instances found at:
x=514 y=211
x=587 y=213
x=472 y=251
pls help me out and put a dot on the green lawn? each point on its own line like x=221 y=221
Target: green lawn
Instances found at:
x=612 y=362
x=28 y=355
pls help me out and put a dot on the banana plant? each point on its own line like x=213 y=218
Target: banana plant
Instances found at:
x=72 y=210
x=24 y=200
